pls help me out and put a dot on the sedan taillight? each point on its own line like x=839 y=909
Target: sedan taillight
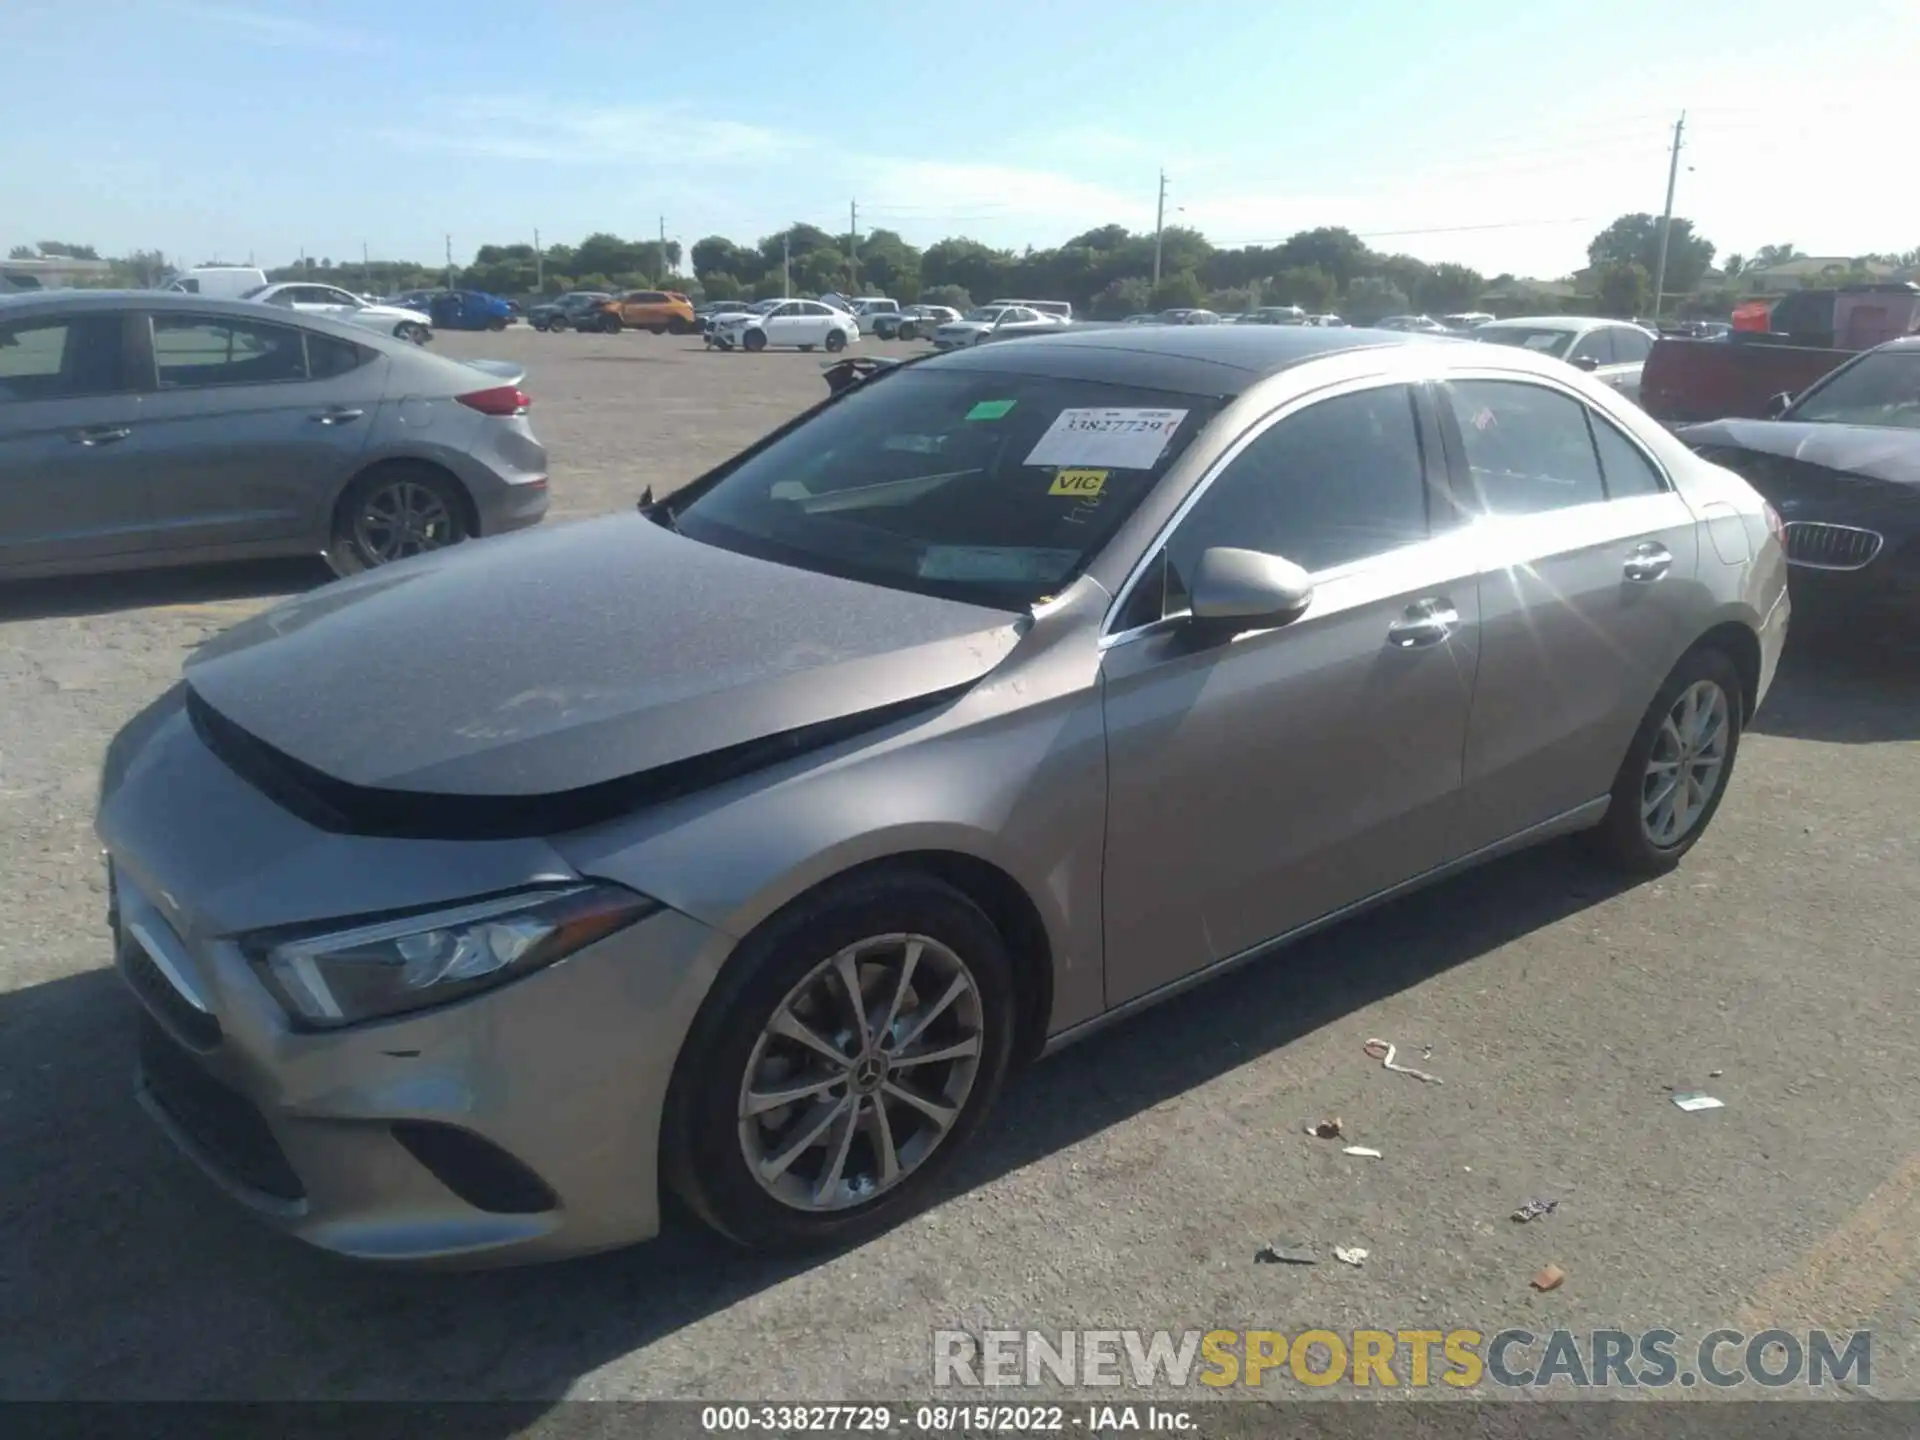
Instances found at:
x=501 y=400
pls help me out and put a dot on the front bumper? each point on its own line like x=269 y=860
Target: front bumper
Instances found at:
x=521 y=1124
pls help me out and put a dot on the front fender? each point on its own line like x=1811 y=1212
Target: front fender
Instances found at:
x=1016 y=782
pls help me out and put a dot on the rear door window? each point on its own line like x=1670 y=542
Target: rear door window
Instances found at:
x=196 y=351
x=1527 y=447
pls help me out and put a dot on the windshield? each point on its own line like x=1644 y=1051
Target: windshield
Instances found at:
x=992 y=488
x=1878 y=389
x=1528 y=337
x=985 y=312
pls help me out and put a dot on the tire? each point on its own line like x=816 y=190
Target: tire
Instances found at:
x=557 y=324
x=677 y=326
x=754 y=340
x=541 y=326
x=495 y=323
x=836 y=341
x=412 y=331
x=905 y=332
x=420 y=490
x=611 y=325
x=1629 y=839
x=789 y=965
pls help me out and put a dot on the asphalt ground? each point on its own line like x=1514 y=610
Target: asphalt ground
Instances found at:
x=1126 y=1183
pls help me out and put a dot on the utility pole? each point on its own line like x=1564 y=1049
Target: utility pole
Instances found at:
x=1666 y=220
x=449 y=262
x=663 y=249
x=853 y=246
x=539 y=266
x=366 y=269
x=1159 y=224
x=786 y=266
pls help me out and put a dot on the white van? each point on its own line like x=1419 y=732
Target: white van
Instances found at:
x=222 y=282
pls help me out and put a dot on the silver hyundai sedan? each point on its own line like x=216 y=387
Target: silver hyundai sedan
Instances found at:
x=144 y=429
x=743 y=845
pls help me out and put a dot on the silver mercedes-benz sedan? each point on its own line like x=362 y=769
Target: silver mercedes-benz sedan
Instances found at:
x=744 y=845
x=145 y=429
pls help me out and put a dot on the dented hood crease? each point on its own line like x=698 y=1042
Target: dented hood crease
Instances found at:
x=1877 y=452
x=576 y=655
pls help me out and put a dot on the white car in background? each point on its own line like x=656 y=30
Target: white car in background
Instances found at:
x=800 y=324
x=1612 y=351
x=338 y=304
x=991 y=321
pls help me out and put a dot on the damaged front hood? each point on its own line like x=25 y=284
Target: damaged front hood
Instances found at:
x=1877 y=452
x=572 y=657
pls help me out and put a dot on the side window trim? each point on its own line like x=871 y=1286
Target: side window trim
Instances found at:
x=1594 y=421
x=1151 y=556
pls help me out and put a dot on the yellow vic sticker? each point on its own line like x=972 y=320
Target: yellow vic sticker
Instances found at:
x=1083 y=484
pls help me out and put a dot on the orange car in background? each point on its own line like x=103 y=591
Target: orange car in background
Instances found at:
x=663 y=312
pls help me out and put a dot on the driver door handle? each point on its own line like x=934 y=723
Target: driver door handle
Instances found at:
x=338 y=415
x=1649 y=562
x=1426 y=622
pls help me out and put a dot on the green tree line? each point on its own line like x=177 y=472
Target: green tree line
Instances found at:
x=1106 y=272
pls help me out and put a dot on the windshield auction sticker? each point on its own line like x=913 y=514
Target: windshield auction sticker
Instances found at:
x=1119 y=439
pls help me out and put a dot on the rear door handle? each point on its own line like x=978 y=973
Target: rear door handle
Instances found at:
x=1426 y=622
x=1649 y=562
x=101 y=434
x=338 y=415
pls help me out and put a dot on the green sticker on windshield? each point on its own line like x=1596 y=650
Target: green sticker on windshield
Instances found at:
x=990 y=409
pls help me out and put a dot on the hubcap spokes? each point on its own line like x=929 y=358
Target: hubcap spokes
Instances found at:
x=1685 y=766
x=403 y=519
x=861 y=1072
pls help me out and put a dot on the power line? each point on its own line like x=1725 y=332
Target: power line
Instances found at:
x=1428 y=230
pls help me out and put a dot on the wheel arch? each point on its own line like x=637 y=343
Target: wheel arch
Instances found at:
x=382 y=464
x=1737 y=641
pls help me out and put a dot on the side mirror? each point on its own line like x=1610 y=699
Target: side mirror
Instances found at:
x=1777 y=404
x=1587 y=362
x=1238 y=590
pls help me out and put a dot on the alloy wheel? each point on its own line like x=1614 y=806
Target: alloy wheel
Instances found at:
x=861 y=1073
x=1686 y=764
x=400 y=519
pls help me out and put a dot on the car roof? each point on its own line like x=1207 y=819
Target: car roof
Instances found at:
x=1198 y=359
x=1562 y=322
x=123 y=299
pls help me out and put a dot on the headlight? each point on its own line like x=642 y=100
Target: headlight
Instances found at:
x=342 y=977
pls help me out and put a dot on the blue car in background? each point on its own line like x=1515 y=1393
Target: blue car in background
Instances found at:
x=469 y=310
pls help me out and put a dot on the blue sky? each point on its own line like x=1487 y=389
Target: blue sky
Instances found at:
x=1502 y=135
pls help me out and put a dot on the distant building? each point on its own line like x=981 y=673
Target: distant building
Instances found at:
x=1810 y=272
x=52 y=272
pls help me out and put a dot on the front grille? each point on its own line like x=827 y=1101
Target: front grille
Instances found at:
x=150 y=983
x=1820 y=546
x=218 y=1120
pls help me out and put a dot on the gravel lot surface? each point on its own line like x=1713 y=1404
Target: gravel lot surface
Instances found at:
x=1129 y=1181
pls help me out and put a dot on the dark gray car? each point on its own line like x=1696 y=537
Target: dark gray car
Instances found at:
x=142 y=429
x=743 y=845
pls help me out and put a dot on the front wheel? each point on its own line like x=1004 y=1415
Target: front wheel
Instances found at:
x=836 y=342
x=848 y=1053
x=610 y=325
x=394 y=513
x=906 y=331
x=1676 y=770
x=754 y=340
